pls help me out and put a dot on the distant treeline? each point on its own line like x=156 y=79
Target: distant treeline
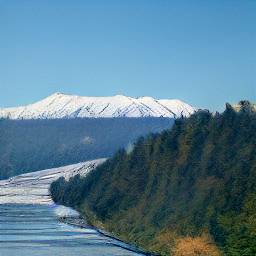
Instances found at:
x=190 y=190
x=31 y=145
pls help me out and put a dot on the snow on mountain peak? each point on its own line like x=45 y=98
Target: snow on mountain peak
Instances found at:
x=59 y=105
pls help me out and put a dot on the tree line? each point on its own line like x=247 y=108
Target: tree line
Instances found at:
x=189 y=189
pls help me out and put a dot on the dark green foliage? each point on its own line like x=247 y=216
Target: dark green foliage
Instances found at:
x=199 y=177
x=31 y=145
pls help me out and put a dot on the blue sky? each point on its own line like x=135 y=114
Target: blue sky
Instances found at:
x=203 y=52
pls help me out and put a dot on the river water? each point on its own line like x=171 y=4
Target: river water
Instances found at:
x=34 y=230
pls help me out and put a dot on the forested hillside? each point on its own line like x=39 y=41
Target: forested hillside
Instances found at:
x=190 y=190
x=31 y=145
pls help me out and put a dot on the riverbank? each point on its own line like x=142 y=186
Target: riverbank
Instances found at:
x=79 y=221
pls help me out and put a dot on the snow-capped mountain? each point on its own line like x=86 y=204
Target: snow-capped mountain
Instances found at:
x=61 y=105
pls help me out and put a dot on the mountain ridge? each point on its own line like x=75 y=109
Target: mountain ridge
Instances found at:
x=37 y=144
x=189 y=190
x=59 y=105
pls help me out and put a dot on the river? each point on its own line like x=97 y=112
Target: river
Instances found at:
x=35 y=230
x=29 y=220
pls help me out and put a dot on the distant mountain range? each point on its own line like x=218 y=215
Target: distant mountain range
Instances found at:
x=60 y=105
x=35 y=144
